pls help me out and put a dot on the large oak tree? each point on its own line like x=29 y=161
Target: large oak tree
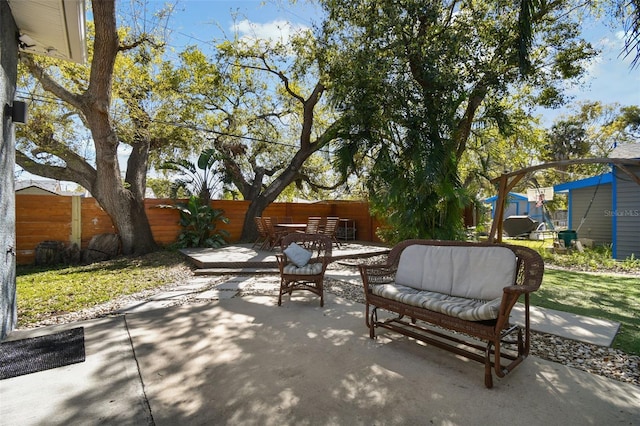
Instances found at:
x=260 y=104
x=87 y=116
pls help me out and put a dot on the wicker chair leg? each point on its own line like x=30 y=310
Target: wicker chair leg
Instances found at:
x=282 y=284
x=372 y=322
x=488 y=378
x=366 y=315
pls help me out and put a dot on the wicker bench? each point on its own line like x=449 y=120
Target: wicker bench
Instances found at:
x=465 y=289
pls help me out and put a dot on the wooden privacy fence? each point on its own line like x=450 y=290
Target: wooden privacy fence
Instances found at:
x=77 y=219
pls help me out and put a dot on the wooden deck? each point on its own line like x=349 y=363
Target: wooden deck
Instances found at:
x=243 y=256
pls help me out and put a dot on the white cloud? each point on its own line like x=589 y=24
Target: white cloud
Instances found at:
x=275 y=31
x=609 y=44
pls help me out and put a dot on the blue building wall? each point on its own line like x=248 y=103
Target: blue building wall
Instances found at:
x=517 y=205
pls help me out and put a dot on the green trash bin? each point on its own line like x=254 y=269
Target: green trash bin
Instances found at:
x=568 y=236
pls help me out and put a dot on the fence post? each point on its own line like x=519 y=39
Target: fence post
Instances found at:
x=76 y=220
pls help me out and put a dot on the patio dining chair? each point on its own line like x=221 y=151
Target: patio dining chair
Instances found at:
x=273 y=235
x=263 y=236
x=313 y=225
x=302 y=263
x=330 y=229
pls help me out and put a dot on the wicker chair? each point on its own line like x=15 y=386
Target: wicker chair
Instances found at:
x=310 y=276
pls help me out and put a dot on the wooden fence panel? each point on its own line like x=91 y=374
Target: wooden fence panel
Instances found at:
x=94 y=221
x=299 y=212
x=40 y=218
x=359 y=213
x=49 y=217
x=235 y=211
x=164 y=222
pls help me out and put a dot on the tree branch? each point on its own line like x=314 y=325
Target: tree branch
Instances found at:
x=318 y=186
x=143 y=39
x=279 y=74
x=49 y=84
x=84 y=178
x=307 y=114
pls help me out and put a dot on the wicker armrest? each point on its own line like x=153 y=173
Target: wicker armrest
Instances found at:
x=281 y=259
x=520 y=289
x=377 y=274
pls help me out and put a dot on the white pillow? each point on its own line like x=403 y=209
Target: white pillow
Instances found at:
x=298 y=255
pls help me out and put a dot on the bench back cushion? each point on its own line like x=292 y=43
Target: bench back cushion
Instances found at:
x=462 y=271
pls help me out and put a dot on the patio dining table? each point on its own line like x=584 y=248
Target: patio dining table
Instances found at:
x=291 y=227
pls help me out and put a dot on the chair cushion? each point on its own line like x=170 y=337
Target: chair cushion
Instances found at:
x=459 y=307
x=298 y=255
x=308 y=269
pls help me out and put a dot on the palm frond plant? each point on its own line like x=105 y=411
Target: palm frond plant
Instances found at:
x=197 y=179
x=197 y=218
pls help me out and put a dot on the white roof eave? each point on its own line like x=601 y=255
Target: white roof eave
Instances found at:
x=55 y=28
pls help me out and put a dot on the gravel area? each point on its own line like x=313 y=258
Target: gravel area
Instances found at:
x=604 y=361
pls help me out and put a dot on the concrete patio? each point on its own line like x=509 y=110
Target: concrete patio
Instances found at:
x=244 y=259
x=247 y=361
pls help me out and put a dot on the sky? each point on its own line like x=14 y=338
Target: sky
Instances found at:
x=610 y=78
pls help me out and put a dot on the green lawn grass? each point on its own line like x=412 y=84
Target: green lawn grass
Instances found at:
x=615 y=298
x=42 y=292
x=611 y=297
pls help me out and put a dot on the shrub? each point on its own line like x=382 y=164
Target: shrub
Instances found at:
x=199 y=222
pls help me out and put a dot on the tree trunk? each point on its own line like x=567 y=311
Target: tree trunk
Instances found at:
x=249 y=229
x=126 y=211
x=135 y=232
x=268 y=195
x=260 y=198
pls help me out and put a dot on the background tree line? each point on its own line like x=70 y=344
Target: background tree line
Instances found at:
x=414 y=105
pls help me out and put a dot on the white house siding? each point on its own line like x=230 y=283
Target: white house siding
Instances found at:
x=627 y=215
x=597 y=224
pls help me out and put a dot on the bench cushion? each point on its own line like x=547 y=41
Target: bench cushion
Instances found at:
x=468 y=272
x=460 y=307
